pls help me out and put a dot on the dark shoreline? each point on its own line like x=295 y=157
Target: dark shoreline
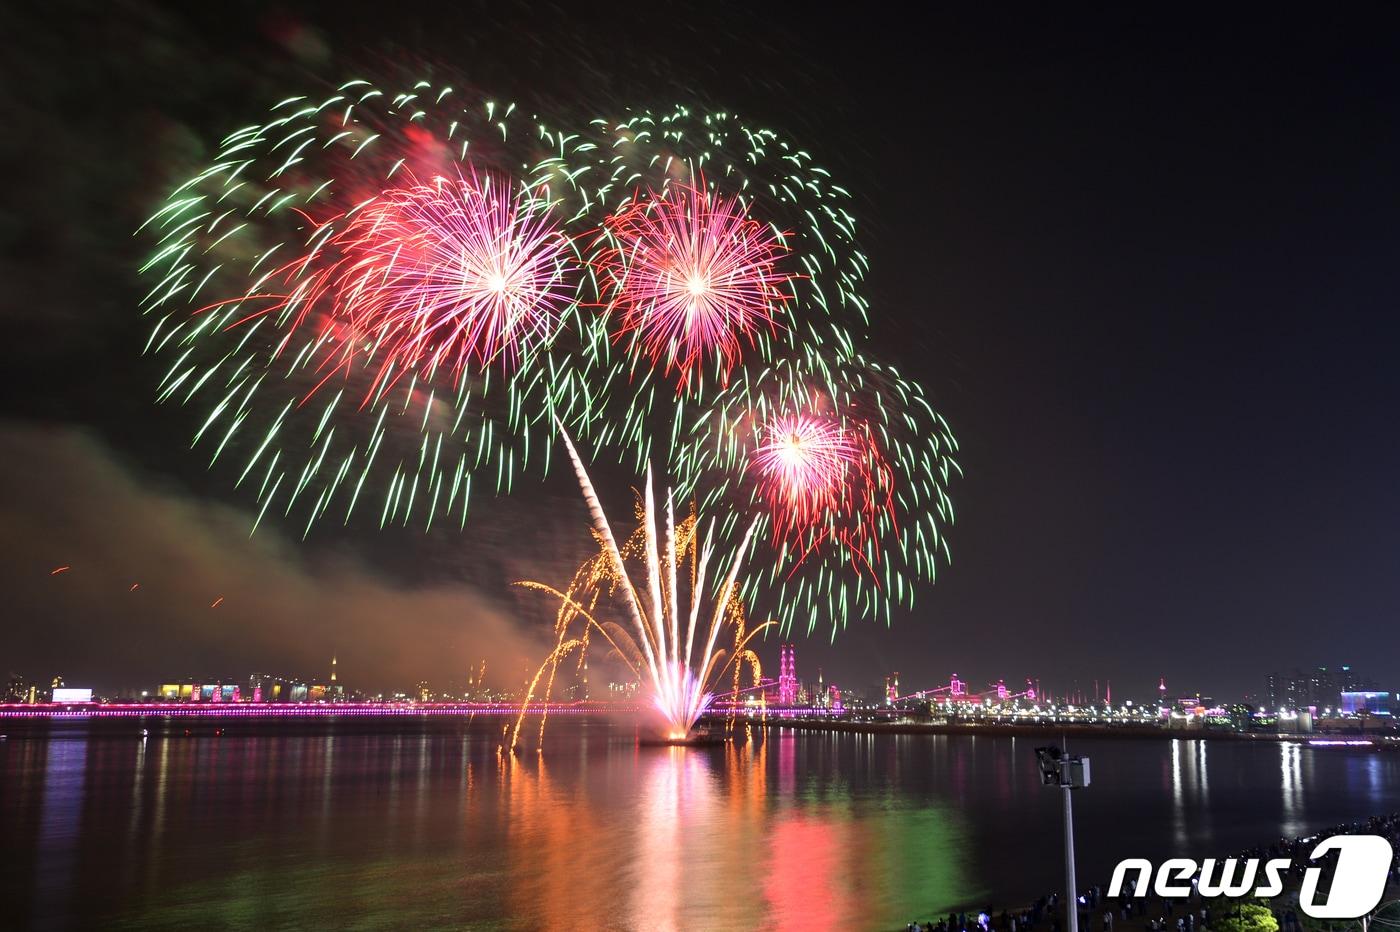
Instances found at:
x=1047 y=732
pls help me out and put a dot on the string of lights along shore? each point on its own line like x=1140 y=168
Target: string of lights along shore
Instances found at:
x=388 y=301
x=1330 y=703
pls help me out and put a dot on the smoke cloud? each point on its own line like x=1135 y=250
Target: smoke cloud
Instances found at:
x=148 y=563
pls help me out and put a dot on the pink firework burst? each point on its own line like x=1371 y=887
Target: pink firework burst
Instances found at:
x=692 y=276
x=432 y=277
x=803 y=462
x=822 y=481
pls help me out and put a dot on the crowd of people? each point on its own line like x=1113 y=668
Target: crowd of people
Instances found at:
x=1297 y=849
x=1046 y=915
x=1099 y=913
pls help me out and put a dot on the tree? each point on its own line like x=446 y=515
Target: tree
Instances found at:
x=1245 y=917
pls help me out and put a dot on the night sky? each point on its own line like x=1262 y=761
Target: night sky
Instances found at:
x=1143 y=262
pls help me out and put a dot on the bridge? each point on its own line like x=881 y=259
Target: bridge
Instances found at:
x=302 y=710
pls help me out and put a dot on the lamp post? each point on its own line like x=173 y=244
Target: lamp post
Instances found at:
x=1068 y=773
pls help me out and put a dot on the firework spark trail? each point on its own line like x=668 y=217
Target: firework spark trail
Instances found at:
x=680 y=689
x=604 y=530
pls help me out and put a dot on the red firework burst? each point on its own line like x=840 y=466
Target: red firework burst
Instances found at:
x=692 y=276
x=432 y=277
x=822 y=480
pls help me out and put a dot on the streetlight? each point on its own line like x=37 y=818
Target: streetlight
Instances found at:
x=1068 y=773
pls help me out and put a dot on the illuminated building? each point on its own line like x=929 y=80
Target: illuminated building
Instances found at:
x=1318 y=689
x=892 y=687
x=217 y=692
x=787 y=676
x=265 y=687
x=1365 y=702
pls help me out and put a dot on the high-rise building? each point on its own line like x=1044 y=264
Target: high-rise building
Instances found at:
x=1351 y=681
x=1320 y=688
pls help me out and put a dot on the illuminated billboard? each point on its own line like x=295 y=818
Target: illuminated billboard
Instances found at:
x=61 y=694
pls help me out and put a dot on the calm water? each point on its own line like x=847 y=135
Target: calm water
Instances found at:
x=348 y=828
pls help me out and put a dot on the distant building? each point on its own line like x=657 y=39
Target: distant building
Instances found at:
x=219 y=692
x=1350 y=681
x=1322 y=689
x=787 y=676
x=1365 y=702
x=17 y=689
x=265 y=687
x=1319 y=689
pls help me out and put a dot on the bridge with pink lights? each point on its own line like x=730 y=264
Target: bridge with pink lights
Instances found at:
x=298 y=710
x=957 y=690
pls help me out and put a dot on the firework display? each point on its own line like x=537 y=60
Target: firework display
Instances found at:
x=682 y=673
x=449 y=275
x=378 y=301
x=847 y=471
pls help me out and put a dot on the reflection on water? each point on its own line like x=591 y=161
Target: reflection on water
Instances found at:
x=55 y=851
x=1290 y=756
x=438 y=828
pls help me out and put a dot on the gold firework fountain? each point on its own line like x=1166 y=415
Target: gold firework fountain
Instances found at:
x=672 y=641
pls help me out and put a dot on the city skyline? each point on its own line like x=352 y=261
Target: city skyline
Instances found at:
x=1321 y=686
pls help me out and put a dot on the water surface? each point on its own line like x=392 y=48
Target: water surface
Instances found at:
x=425 y=827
